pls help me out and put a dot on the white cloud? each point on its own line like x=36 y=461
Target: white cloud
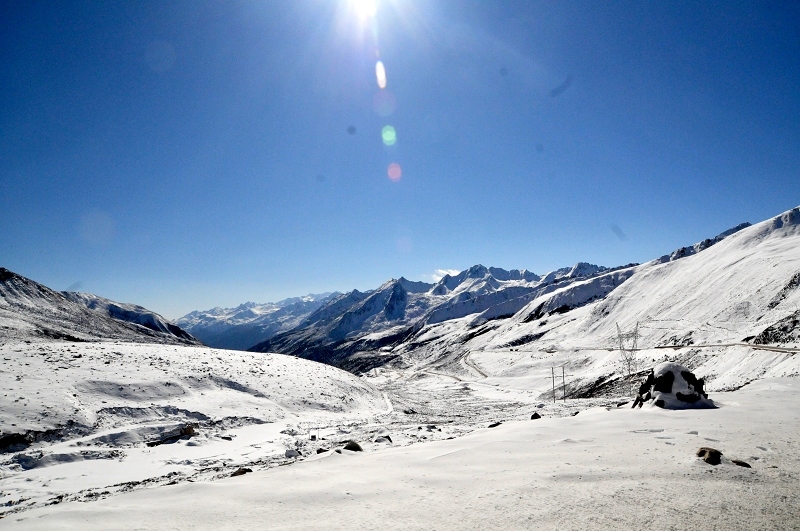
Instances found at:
x=439 y=273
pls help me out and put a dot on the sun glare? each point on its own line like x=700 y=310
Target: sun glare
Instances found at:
x=364 y=8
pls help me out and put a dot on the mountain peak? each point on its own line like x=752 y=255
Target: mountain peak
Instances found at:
x=5 y=274
x=477 y=271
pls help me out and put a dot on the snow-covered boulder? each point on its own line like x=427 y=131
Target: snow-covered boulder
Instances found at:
x=676 y=387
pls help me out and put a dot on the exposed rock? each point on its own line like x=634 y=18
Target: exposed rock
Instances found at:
x=676 y=387
x=663 y=382
x=709 y=455
x=15 y=442
x=353 y=446
x=787 y=330
x=174 y=435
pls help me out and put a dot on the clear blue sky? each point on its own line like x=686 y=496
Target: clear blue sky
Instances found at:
x=185 y=155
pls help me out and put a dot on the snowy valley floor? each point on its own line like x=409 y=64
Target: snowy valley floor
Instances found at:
x=606 y=467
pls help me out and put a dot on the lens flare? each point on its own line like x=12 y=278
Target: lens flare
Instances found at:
x=384 y=103
x=389 y=135
x=394 y=172
x=380 y=73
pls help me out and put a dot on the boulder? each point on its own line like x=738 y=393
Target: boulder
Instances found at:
x=353 y=446
x=709 y=455
x=322 y=450
x=383 y=439
x=241 y=472
x=676 y=387
x=494 y=424
x=292 y=453
x=740 y=463
x=535 y=416
x=174 y=435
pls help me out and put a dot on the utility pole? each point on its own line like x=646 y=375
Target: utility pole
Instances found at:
x=563 y=383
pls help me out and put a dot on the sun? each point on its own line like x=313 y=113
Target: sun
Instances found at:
x=364 y=8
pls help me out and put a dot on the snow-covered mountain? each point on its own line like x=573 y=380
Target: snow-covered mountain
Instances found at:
x=250 y=323
x=708 y=309
x=397 y=310
x=30 y=310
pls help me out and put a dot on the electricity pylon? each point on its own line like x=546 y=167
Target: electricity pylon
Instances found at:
x=628 y=342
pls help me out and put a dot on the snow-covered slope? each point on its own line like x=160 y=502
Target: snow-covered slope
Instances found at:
x=250 y=323
x=606 y=468
x=727 y=292
x=88 y=417
x=29 y=310
x=704 y=310
x=128 y=312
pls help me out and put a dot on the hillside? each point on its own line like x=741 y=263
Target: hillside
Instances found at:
x=29 y=310
x=705 y=310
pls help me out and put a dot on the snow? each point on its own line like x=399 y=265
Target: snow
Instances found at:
x=606 y=468
x=104 y=401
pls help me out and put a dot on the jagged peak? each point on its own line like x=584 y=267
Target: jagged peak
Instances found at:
x=5 y=274
x=477 y=271
x=513 y=274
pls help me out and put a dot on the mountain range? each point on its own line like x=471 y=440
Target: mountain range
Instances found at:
x=402 y=318
x=250 y=323
x=740 y=286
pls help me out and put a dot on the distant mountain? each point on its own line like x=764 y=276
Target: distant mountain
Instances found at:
x=250 y=323
x=29 y=310
x=398 y=309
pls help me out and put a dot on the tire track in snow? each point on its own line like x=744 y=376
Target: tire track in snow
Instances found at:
x=469 y=363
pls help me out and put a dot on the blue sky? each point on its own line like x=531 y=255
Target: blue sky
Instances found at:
x=185 y=155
